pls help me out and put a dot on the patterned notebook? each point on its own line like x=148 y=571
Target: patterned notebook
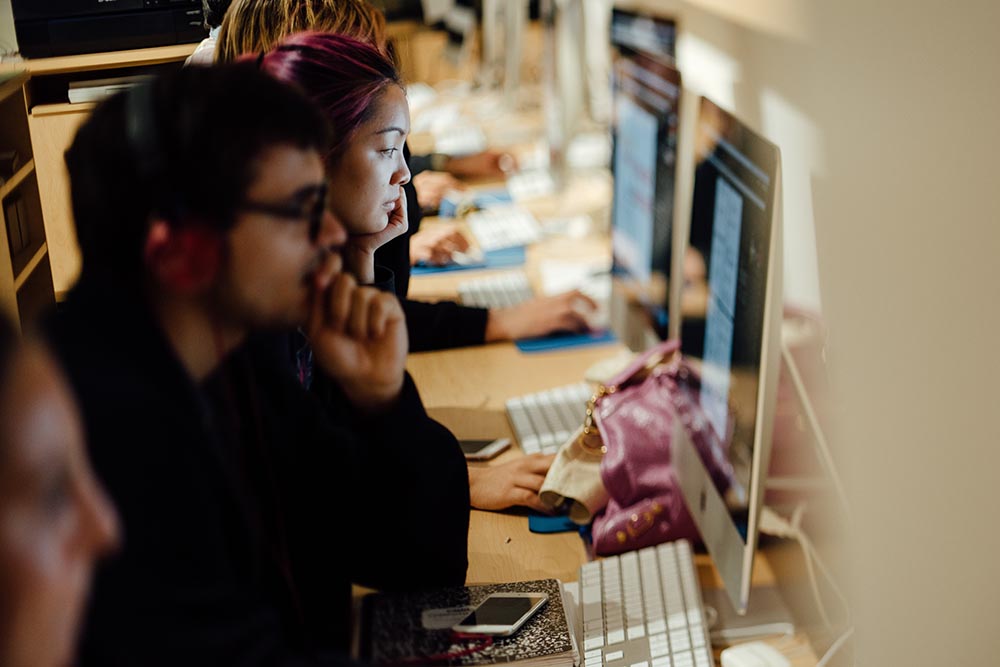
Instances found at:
x=409 y=628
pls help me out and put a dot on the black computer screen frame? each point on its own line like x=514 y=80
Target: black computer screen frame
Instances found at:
x=732 y=551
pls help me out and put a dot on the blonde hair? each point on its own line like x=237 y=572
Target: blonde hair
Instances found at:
x=256 y=26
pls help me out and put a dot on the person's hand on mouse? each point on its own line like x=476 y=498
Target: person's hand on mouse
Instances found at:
x=436 y=245
x=568 y=311
x=432 y=186
x=498 y=487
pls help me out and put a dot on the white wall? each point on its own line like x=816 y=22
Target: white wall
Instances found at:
x=885 y=113
x=907 y=222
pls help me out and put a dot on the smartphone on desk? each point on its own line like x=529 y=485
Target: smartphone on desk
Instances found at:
x=483 y=450
x=502 y=614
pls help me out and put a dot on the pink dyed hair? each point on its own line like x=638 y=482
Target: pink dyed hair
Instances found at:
x=343 y=76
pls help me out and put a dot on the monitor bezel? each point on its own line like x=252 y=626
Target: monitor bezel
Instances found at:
x=733 y=556
x=668 y=72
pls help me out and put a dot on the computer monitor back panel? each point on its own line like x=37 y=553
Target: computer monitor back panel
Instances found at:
x=732 y=359
x=646 y=98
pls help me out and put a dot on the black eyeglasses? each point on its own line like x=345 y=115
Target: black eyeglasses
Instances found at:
x=308 y=204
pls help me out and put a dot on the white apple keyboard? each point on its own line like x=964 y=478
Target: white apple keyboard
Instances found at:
x=504 y=227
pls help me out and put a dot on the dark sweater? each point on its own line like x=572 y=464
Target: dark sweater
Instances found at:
x=431 y=326
x=249 y=506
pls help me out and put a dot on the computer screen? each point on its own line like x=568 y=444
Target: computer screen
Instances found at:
x=636 y=31
x=646 y=98
x=727 y=388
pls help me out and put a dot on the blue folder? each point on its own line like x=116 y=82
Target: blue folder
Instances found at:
x=480 y=200
x=565 y=341
x=494 y=259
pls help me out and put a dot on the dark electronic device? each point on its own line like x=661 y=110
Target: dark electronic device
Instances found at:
x=69 y=27
x=483 y=450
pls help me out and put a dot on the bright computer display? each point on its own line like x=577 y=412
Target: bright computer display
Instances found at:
x=638 y=32
x=646 y=99
x=727 y=390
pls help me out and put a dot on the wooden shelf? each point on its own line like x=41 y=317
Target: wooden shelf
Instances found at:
x=26 y=284
x=15 y=181
x=109 y=60
x=30 y=267
x=61 y=108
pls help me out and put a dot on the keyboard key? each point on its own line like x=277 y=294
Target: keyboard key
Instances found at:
x=504 y=227
x=617 y=592
x=499 y=291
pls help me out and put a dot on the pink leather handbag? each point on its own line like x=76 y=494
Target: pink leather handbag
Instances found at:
x=632 y=417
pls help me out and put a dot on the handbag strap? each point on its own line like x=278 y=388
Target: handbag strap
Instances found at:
x=660 y=350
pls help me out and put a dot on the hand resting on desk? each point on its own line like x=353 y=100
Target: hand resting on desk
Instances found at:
x=432 y=186
x=568 y=311
x=437 y=246
x=510 y=484
x=487 y=164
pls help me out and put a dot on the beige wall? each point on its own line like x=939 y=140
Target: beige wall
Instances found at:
x=907 y=224
x=886 y=114
x=8 y=42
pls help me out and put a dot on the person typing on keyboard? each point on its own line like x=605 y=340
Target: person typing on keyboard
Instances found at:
x=255 y=25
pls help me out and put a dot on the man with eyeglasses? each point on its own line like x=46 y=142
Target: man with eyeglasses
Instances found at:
x=248 y=505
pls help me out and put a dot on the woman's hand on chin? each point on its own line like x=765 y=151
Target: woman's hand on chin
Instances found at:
x=359 y=253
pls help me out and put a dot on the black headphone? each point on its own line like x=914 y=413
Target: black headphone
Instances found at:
x=150 y=157
x=145 y=145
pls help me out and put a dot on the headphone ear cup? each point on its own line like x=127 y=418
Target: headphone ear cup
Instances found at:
x=186 y=259
x=201 y=248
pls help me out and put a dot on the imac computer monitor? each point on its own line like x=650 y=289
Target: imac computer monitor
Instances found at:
x=646 y=98
x=637 y=31
x=728 y=382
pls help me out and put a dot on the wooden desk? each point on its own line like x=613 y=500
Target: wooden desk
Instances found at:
x=53 y=122
x=466 y=389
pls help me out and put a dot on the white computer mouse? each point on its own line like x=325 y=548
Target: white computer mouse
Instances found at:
x=753 y=654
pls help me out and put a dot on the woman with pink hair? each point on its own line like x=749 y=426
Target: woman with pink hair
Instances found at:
x=360 y=91
x=359 y=88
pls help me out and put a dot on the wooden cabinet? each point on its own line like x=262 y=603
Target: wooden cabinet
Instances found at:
x=53 y=121
x=25 y=268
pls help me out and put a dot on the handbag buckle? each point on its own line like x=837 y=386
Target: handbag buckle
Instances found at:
x=638 y=524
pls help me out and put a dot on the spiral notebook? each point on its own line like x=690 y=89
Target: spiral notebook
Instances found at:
x=410 y=628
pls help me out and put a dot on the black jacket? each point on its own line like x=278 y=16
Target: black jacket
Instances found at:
x=431 y=326
x=248 y=506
